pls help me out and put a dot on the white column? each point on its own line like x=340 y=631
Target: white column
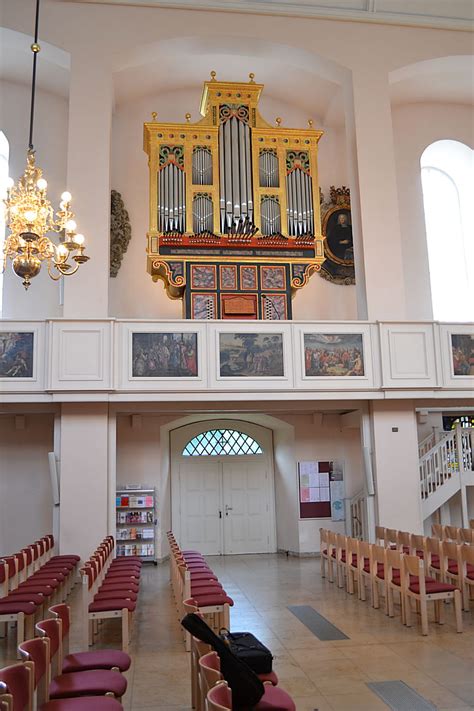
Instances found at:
x=375 y=209
x=88 y=180
x=396 y=465
x=84 y=478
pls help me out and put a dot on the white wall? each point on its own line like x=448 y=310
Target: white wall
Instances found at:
x=416 y=126
x=50 y=140
x=26 y=504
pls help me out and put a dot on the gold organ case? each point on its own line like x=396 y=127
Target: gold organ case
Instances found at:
x=234 y=223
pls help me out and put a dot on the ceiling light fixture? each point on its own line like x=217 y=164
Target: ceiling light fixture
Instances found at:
x=30 y=216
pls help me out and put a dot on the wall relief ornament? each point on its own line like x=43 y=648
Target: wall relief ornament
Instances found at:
x=336 y=227
x=120 y=231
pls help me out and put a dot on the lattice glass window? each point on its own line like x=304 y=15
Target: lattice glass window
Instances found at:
x=218 y=443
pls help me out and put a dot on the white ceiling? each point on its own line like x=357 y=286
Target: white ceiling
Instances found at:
x=450 y=14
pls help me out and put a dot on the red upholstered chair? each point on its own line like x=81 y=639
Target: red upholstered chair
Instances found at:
x=432 y=557
x=467 y=575
x=417 y=586
x=352 y=568
x=364 y=559
x=390 y=540
x=466 y=535
x=378 y=576
x=340 y=558
x=394 y=573
x=417 y=545
x=22 y=612
x=380 y=535
x=274 y=697
x=437 y=531
x=451 y=533
x=323 y=551
x=83 y=661
x=17 y=686
x=403 y=541
x=98 y=682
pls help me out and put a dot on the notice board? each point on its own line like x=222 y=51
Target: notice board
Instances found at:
x=321 y=489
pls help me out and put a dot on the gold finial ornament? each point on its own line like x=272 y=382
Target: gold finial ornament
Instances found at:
x=188 y=117
x=213 y=76
x=278 y=121
x=252 y=78
x=310 y=123
x=35 y=48
x=154 y=115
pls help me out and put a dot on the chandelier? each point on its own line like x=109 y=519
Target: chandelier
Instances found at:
x=30 y=216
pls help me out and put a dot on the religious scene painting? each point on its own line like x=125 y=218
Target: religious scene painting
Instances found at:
x=16 y=354
x=250 y=355
x=462 y=350
x=333 y=354
x=164 y=355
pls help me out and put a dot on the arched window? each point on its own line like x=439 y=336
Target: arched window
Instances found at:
x=4 y=159
x=447 y=175
x=218 y=443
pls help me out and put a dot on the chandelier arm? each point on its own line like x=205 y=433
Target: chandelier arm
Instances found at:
x=62 y=272
x=35 y=50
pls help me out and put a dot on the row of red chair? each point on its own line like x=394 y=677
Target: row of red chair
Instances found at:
x=193 y=579
x=32 y=579
x=425 y=570
x=50 y=679
x=110 y=589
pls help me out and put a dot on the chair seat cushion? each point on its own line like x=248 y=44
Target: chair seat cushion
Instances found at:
x=432 y=587
x=45 y=590
x=100 y=659
x=88 y=683
x=275 y=699
x=210 y=590
x=124 y=587
x=68 y=556
x=12 y=607
x=111 y=605
x=211 y=600
x=453 y=568
x=25 y=596
x=112 y=595
x=84 y=703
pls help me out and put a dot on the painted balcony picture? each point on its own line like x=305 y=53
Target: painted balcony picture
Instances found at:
x=462 y=349
x=164 y=355
x=250 y=355
x=333 y=354
x=16 y=354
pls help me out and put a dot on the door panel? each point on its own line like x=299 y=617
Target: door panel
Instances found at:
x=247 y=518
x=200 y=497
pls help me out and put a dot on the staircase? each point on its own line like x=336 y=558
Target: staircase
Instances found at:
x=446 y=467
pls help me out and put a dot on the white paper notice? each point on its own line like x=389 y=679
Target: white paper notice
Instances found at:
x=324 y=479
x=308 y=467
x=325 y=493
x=314 y=495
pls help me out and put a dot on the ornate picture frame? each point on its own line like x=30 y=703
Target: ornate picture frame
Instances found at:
x=336 y=228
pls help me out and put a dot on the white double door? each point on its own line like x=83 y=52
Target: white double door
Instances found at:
x=226 y=505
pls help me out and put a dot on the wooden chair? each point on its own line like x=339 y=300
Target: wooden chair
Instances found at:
x=380 y=535
x=364 y=563
x=451 y=533
x=467 y=574
x=416 y=586
x=352 y=566
x=219 y=698
x=417 y=545
x=437 y=530
x=390 y=540
x=274 y=697
x=471 y=523
x=466 y=535
x=394 y=573
x=378 y=576
x=340 y=559
x=331 y=541
x=324 y=552
x=450 y=568
x=18 y=684
x=432 y=557
x=403 y=541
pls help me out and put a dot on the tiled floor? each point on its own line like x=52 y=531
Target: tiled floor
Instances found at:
x=319 y=675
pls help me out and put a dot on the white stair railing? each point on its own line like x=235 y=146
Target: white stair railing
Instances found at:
x=426 y=444
x=450 y=458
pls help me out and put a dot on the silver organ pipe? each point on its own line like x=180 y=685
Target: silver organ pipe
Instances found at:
x=299 y=195
x=268 y=169
x=270 y=215
x=202 y=166
x=172 y=199
x=235 y=165
x=203 y=213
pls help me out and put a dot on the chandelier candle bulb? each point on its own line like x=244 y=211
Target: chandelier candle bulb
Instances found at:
x=70 y=225
x=42 y=184
x=66 y=197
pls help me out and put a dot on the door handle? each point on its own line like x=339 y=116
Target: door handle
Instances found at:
x=220 y=514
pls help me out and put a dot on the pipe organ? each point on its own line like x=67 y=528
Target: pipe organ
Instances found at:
x=234 y=224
